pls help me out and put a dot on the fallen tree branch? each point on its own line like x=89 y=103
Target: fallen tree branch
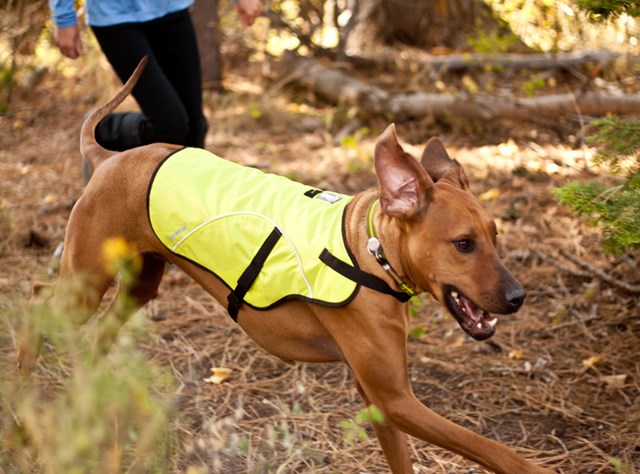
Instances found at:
x=588 y=271
x=460 y=63
x=572 y=271
x=613 y=281
x=333 y=85
x=534 y=62
x=339 y=87
x=528 y=108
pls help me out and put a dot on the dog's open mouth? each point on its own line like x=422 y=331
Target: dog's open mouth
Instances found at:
x=475 y=321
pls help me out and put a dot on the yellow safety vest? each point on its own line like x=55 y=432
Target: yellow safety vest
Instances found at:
x=261 y=234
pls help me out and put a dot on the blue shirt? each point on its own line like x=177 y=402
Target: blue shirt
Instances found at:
x=114 y=12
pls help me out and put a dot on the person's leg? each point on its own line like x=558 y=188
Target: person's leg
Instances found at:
x=163 y=117
x=173 y=40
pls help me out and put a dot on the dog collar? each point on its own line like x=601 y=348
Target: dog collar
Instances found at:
x=375 y=248
x=367 y=279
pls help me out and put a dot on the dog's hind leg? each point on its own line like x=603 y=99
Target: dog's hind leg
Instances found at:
x=77 y=294
x=130 y=298
x=146 y=285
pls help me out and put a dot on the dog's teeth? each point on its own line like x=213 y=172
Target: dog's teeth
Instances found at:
x=493 y=322
x=455 y=295
x=479 y=325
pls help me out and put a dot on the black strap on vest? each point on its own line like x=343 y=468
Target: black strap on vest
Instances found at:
x=361 y=277
x=236 y=297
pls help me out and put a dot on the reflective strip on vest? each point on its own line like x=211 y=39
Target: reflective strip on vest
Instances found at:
x=217 y=214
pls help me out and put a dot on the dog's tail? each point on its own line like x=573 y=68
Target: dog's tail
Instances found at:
x=89 y=147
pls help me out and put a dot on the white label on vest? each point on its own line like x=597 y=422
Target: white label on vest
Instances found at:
x=329 y=197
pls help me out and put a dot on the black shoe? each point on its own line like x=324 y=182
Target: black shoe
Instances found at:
x=120 y=131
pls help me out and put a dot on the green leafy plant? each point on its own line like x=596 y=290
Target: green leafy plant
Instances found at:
x=600 y=10
x=530 y=87
x=6 y=85
x=493 y=42
x=612 y=205
x=416 y=307
x=82 y=412
x=620 y=466
x=354 y=429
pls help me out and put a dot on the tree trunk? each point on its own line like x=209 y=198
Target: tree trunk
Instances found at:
x=207 y=25
x=433 y=23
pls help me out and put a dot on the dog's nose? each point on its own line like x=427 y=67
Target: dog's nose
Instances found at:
x=515 y=298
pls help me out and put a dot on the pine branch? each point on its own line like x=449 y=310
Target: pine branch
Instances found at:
x=602 y=10
x=619 y=140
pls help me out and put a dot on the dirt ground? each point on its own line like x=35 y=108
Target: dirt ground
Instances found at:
x=559 y=382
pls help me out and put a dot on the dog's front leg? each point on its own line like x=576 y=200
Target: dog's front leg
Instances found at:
x=374 y=345
x=392 y=441
x=386 y=384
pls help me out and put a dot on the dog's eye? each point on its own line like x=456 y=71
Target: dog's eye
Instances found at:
x=464 y=245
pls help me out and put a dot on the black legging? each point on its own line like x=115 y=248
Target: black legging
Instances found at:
x=169 y=91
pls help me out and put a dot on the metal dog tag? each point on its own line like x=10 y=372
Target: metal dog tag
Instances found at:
x=374 y=246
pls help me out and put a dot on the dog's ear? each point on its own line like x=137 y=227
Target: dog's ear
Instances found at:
x=404 y=184
x=441 y=166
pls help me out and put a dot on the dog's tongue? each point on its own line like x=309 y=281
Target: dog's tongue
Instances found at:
x=473 y=311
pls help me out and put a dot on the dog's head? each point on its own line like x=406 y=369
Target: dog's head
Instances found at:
x=447 y=242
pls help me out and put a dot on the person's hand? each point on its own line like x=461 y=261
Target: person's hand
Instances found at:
x=248 y=10
x=68 y=41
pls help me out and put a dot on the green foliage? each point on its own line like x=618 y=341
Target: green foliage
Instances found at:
x=370 y=414
x=86 y=412
x=254 y=110
x=353 y=429
x=619 y=140
x=600 y=10
x=416 y=308
x=349 y=141
x=360 y=158
x=614 y=207
x=82 y=412
x=493 y=42
x=530 y=87
x=620 y=466
x=548 y=25
x=6 y=85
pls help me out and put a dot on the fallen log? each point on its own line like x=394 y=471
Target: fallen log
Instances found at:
x=592 y=104
x=460 y=63
x=332 y=85
x=340 y=87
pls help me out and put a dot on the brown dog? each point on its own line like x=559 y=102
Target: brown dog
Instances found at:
x=436 y=239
